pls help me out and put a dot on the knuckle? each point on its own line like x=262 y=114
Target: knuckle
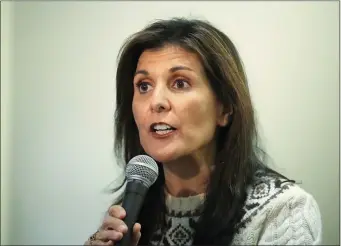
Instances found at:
x=110 y=243
x=100 y=235
x=115 y=210
x=111 y=223
x=111 y=209
x=117 y=235
x=105 y=223
x=111 y=235
x=96 y=242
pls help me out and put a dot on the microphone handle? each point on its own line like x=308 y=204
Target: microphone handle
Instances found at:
x=132 y=203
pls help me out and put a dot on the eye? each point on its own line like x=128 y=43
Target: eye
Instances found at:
x=181 y=84
x=143 y=87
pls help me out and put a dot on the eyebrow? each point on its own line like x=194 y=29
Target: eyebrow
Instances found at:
x=172 y=70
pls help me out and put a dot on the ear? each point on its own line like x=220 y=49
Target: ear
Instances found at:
x=223 y=115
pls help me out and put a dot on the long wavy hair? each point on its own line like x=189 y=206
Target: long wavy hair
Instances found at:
x=238 y=154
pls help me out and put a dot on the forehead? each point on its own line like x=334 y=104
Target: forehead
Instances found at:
x=167 y=57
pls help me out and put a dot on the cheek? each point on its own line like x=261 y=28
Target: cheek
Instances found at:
x=199 y=116
x=140 y=115
x=137 y=115
x=135 y=112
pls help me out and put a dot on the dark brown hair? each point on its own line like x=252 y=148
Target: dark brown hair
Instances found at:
x=238 y=156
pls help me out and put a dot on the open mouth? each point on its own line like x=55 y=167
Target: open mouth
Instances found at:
x=162 y=128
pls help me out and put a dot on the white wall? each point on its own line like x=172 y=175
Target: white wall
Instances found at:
x=64 y=57
x=6 y=119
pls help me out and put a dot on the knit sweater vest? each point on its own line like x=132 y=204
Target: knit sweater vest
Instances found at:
x=276 y=213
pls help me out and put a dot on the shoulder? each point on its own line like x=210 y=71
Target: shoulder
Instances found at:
x=281 y=212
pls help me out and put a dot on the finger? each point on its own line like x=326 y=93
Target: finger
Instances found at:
x=136 y=234
x=109 y=235
x=117 y=211
x=136 y=228
x=136 y=239
x=101 y=243
x=114 y=224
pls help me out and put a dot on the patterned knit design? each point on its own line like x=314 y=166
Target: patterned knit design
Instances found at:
x=276 y=213
x=181 y=215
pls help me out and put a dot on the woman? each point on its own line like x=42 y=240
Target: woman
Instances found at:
x=183 y=99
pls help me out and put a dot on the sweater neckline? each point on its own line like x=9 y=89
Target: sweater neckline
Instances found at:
x=184 y=205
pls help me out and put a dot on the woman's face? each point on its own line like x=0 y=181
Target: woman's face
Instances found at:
x=174 y=107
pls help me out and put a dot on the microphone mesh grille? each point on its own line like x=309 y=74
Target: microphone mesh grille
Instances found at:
x=142 y=168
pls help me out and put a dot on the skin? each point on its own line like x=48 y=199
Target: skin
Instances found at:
x=113 y=228
x=170 y=86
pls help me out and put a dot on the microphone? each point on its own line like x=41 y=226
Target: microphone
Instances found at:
x=141 y=172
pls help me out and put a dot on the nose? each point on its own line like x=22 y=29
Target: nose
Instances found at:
x=160 y=101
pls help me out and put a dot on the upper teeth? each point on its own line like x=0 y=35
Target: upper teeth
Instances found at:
x=162 y=127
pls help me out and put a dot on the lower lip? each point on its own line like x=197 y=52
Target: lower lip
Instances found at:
x=163 y=135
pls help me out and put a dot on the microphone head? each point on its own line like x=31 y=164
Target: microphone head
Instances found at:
x=142 y=168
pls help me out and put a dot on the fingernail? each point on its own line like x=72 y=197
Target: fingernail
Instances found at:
x=122 y=214
x=122 y=228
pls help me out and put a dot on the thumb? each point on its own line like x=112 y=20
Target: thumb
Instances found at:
x=136 y=234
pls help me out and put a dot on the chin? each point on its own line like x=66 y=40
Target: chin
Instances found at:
x=162 y=156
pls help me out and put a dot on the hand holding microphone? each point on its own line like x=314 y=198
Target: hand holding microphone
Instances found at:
x=119 y=227
x=113 y=229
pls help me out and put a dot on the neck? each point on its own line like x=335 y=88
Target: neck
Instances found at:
x=189 y=175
